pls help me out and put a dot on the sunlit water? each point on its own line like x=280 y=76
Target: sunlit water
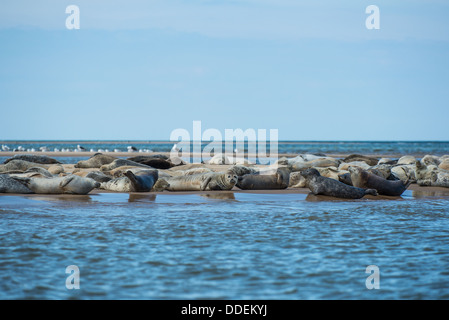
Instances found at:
x=236 y=246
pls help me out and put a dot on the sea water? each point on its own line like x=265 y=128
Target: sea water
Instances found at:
x=224 y=246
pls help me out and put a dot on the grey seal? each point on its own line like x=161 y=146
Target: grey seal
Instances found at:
x=331 y=187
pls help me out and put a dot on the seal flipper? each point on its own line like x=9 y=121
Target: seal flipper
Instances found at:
x=66 y=181
x=205 y=183
x=372 y=192
x=133 y=179
x=23 y=180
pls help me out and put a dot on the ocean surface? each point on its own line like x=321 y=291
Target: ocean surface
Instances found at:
x=232 y=246
x=228 y=246
x=395 y=148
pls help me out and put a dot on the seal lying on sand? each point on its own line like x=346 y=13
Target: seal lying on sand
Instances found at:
x=204 y=181
x=279 y=180
x=154 y=161
x=71 y=184
x=331 y=187
x=366 y=180
x=96 y=161
x=140 y=181
x=21 y=165
x=10 y=185
x=122 y=162
x=42 y=159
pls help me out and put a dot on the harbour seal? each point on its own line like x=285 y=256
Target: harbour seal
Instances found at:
x=320 y=162
x=366 y=180
x=154 y=161
x=279 y=180
x=330 y=187
x=98 y=176
x=201 y=182
x=11 y=185
x=21 y=165
x=371 y=161
x=42 y=159
x=96 y=161
x=122 y=162
x=140 y=181
x=70 y=184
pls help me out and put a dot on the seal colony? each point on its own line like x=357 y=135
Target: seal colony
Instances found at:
x=352 y=177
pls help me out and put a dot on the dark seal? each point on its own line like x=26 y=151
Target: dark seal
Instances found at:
x=363 y=179
x=279 y=180
x=142 y=181
x=331 y=187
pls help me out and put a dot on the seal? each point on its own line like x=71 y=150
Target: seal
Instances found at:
x=154 y=161
x=142 y=181
x=21 y=165
x=371 y=161
x=160 y=185
x=98 y=176
x=204 y=181
x=366 y=180
x=331 y=187
x=278 y=180
x=71 y=184
x=431 y=175
x=122 y=162
x=96 y=161
x=11 y=185
x=42 y=159
x=139 y=181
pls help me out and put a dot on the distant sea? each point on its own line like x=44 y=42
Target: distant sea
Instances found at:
x=383 y=148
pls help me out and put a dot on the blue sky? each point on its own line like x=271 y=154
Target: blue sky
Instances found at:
x=136 y=70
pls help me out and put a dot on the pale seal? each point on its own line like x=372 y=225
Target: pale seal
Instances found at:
x=201 y=182
x=11 y=185
x=96 y=161
x=319 y=185
x=366 y=180
x=279 y=180
x=70 y=184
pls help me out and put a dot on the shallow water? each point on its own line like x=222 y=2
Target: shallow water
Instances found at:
x=227 y=246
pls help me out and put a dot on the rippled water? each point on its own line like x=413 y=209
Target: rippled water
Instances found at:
x=232 y=246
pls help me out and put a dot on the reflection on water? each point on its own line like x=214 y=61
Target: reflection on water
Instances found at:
x=422 y=193
x=218 y=196
x=67 y=198
x=139 y=197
